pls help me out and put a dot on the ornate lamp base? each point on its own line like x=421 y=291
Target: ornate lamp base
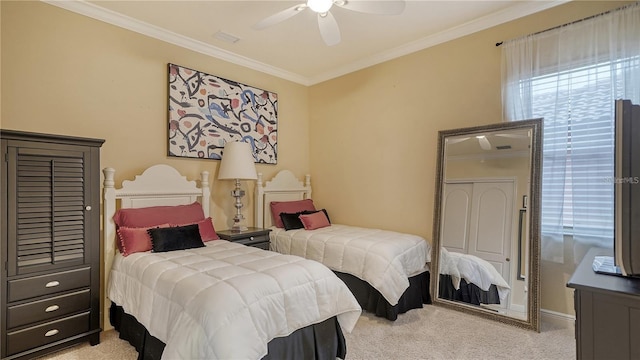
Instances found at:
x=238 y=219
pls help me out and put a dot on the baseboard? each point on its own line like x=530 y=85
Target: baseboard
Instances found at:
x=557 y=318
x=518 y=308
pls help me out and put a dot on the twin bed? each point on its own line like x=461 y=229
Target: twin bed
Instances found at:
x=387 y=271
x=215 y=299
x=218 y=299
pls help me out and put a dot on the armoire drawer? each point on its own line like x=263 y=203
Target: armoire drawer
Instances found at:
x=42 y=310
x=46 y=333
x=48 y=284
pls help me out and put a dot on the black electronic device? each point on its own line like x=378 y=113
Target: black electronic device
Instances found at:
x=626 y=245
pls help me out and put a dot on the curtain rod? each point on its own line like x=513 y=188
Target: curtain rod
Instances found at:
x=575 y=22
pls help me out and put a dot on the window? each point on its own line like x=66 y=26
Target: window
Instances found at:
x=571 y=77
x=582 y=143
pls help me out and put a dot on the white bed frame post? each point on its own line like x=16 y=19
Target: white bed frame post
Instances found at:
x=158 y=185
x=206 y=192
x=109 y=237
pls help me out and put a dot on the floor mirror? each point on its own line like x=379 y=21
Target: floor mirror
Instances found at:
x=487 y=222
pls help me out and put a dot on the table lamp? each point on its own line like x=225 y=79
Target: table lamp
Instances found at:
x=237 y=164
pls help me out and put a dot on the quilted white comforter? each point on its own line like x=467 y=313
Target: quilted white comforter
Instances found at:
x=384 y=259
x=473 y=270
x=226 y=300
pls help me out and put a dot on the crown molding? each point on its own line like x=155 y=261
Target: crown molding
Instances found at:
x=99 y=13
x=111 y=17
x=468 y=28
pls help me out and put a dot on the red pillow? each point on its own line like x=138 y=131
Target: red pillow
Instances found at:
x=156 y=215
x=133 y=240
x=314 y=221
x=206 y=228
x=278 y=207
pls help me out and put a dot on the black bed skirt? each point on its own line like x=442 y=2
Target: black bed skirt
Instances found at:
x=322 y=341
x=372 y=301
x=468 y=293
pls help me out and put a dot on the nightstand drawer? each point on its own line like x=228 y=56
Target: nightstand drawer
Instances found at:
x=260 y=245
x=35 y=336
x=256 y=237
x=48 y=284
x=252 y=240
x=42 y=310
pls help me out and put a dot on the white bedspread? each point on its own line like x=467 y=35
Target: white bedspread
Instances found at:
x=473 y=270
x=384 y=259
x=226 y=300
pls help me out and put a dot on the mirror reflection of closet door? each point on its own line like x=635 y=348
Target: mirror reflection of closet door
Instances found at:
x=478 y=221
x=456 y=210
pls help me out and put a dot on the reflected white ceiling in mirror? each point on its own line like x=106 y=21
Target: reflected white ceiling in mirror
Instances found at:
x=507 y=143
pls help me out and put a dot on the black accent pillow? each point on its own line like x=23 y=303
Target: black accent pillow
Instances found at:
x=175 y=238
x=292 y=220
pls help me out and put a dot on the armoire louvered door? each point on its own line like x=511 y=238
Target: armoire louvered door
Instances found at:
x=50 y=243
x=49 y=201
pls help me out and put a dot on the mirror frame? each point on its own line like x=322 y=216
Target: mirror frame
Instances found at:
x=532 y=322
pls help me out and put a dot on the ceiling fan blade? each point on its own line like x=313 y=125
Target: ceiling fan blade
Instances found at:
x=279 y=16
x=484 y=143
x=329 y=29
x=380 y=7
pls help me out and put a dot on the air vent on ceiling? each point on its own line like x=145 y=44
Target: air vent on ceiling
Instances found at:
x=226 y=37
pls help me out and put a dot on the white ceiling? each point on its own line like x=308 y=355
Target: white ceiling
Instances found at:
x=293 y=49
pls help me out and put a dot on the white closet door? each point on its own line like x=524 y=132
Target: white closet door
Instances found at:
x=490 y=224
x=456 y=211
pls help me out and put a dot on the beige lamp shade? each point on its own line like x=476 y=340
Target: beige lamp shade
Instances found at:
x=237 y=162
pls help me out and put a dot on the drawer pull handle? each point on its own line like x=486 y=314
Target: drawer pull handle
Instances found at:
x=52 y=284
x=52 y=308
x=51 y=332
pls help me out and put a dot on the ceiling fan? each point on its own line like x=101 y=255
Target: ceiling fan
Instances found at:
x=327 y=24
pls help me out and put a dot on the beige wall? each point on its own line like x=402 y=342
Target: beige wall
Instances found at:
x=367 y=138
x=374 y=132
x=69 y=74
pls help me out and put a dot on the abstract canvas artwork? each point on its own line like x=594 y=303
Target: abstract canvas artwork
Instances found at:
x=206 y=111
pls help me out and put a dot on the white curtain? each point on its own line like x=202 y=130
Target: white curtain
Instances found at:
x=570 y=76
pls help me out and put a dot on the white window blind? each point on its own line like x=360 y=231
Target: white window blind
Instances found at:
x=578 y=139
x=571 y=76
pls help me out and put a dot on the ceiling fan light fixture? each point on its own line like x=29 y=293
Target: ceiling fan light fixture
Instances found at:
x=327 y=24
x=320 y=6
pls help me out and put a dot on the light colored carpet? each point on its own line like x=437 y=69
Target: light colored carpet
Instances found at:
x=440 y=333
x=429 y=333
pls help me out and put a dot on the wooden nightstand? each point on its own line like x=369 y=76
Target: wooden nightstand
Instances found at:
x=256 y=237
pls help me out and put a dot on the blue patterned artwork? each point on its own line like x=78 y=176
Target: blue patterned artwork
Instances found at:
x=207 y=111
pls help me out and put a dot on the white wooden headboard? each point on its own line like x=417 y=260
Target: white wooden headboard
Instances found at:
x=158 y=185
x=283 y=187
